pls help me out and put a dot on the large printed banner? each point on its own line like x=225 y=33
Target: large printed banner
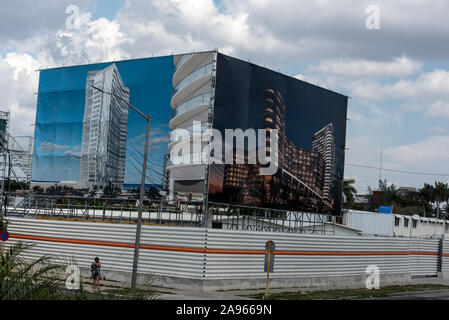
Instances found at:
x=269 y=140
x=90 y=139
x=311 y=127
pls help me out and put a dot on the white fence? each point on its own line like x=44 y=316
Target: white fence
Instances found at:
x=113 y=243
x=369 y=222
x=424 y=256
x=198 y=253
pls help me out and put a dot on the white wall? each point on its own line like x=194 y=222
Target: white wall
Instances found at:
x=369 y=222
x=423 y=229
x=373 y=223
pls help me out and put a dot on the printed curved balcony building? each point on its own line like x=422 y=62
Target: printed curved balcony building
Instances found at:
x=192 y=96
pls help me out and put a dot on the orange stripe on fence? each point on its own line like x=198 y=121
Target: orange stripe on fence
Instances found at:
x=342 y=253
x=76 y=241
x=224 y=251
x=425 y=253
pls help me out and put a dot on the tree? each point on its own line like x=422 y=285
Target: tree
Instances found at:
x=426 y=194
x=3 y=221
x=111 y=190
x=38 y=190
x=152 y=193
x=24 y=280
x=349 y=190
x=390 y=193
x=441 y=191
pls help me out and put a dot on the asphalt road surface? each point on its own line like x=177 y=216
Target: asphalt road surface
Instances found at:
x=419 y=295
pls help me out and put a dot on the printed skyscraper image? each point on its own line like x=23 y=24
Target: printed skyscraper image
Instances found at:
x=311 y=126
x=88 y=139
x=324 y=143
x=105 y=123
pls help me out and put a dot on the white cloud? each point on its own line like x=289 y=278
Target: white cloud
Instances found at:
x=431 y=153
x=18 y=82
x=95 y=40
x=438 y=130
x=70 y=153
x=21 y=63
x=49 y=146
x=429 y=84
x=401 y=66
x=427 y=156
x=439 y=110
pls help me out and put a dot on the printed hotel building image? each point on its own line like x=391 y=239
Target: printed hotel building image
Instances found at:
x=105 y=123
x=304 y=177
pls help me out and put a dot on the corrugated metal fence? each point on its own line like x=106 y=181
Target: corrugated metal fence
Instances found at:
x=424 y=256
x=166 y=250
x=226 y=254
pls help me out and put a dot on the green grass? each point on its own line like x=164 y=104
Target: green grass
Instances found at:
x=132 y=294
x=107 y=293
x=349 y=293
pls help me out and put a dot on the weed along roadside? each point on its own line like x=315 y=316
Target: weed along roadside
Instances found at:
x=349 y=294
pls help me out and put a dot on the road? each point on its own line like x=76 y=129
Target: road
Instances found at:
x=419 y=295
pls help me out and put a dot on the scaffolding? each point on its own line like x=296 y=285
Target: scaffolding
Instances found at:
x=16 y=154
x=168 y=213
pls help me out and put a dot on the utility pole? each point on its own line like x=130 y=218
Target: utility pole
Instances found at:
x=139 y=216
x=142 y=187
x=380 y=165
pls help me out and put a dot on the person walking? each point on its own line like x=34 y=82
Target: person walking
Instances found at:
x=96 y=272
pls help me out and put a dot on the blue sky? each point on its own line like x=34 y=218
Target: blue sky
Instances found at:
x=397 y=75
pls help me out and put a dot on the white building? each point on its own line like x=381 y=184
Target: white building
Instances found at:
x=105 y=123
x=324 y=143
x=361 y=198
x=395 y=225
x=192 y=97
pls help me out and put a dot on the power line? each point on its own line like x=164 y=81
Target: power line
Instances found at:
x=399 y=171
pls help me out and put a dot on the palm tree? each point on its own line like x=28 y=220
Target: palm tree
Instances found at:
x=349 y=190
x=426 y=194
x=390 y=193
x=441 y=192
x=24 y=280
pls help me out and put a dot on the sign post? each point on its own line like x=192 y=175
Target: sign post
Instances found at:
x=4 y=236
x=269 y=262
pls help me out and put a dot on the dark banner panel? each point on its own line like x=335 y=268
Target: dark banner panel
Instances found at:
x=311 y=126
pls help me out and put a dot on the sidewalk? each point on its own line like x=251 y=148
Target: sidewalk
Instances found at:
x=185 y=294
x=174 y=294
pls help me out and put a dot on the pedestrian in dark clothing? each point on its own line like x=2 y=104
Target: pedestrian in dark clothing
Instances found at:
x=96 y=272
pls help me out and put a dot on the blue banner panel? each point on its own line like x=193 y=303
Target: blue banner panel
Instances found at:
x=90 y=139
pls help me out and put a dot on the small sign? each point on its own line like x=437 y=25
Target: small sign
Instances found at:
x=4 y=236
x=269 y=253
x=385 y=209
